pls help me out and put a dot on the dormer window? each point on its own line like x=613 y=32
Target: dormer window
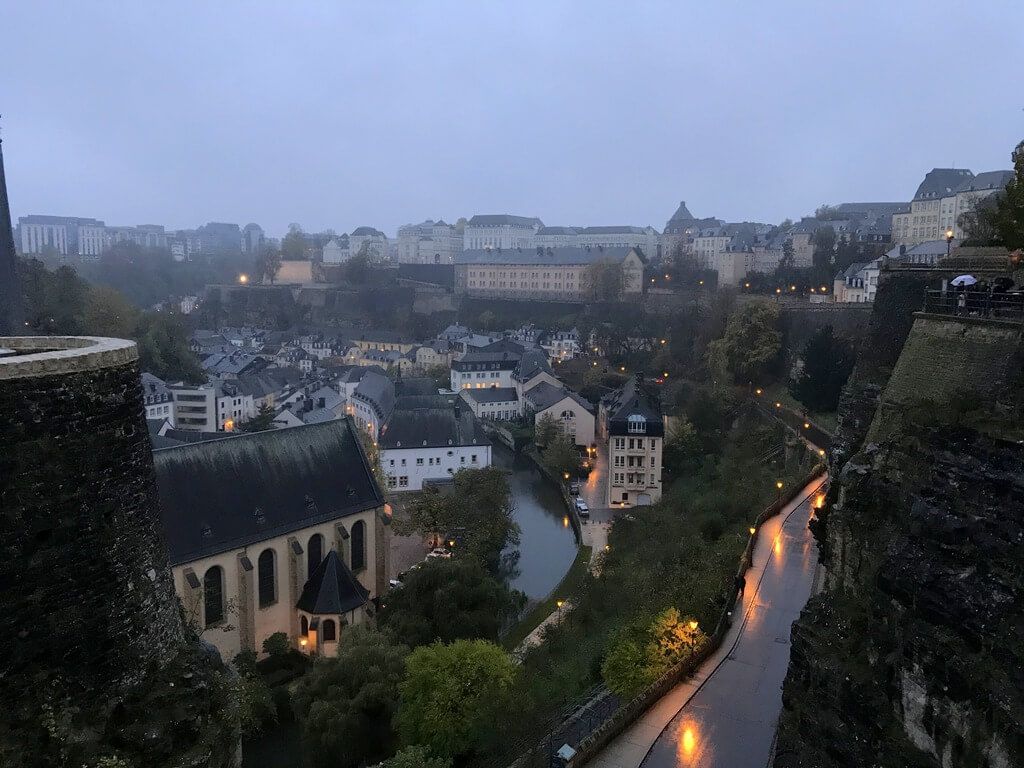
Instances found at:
x=637 y=424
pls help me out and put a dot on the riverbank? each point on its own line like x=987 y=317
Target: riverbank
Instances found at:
x=568 y=588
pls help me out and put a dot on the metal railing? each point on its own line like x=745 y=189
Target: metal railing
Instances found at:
x=995 y=305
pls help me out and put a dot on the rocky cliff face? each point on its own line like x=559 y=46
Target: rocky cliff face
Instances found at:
x=912 y=655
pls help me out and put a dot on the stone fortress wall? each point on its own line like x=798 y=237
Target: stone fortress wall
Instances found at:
x=95 y=660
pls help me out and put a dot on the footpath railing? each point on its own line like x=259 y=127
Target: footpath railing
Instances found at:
x=976 y=303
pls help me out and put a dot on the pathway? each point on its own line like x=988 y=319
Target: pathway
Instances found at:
x=726 y=714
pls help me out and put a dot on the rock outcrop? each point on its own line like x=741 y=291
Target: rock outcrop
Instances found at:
x=912 y=655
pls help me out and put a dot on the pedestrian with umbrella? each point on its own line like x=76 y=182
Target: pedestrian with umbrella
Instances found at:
x=961 y=283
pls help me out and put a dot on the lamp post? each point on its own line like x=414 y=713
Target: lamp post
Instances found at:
x=949 y=239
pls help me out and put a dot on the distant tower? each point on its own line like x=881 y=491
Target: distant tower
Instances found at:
x=95 y=659
x=11 y=318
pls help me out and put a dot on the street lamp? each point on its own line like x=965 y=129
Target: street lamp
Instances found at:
x=693 y=626
x=949 y=239
x=243 y=278
x=753 y=530
x=758 y=391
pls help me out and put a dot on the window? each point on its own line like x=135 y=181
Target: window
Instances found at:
x=473 y=458
x=266 y=578
x=403 y=481
x=358 y=545
x=329 y=631
x=637 y=423
x=620 y=443
x=304 y=626
x=391 y=462
x=392 y=481
x=314 y=554
x=419 y=462
x=213 y=595
x=654 y=443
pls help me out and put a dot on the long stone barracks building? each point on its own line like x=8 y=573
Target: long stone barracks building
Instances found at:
x=277 y=531
x=553 y=274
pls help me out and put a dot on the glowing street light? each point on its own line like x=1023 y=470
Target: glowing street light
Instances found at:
x=753 y=530
x=758 y=391
x=778 y=405
x=243 y=278
x=693 y=626
x=807 y=425
x=821 y=451
x=778 y=484
x=622 y=368
x=565 y=475
x=778 y=290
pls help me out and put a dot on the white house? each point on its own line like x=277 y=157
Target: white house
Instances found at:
x=574 y=415
x=157 y=399
x=249 y=523
x=428 y=440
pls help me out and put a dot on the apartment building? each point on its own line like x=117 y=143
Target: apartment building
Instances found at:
x=632 y=421
x=941 y=199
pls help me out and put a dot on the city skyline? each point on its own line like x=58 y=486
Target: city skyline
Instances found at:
x=338 y=121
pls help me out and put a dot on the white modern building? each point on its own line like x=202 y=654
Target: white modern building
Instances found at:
x=495 y=403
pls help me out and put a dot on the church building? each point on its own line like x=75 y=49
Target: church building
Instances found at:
x=276 y=531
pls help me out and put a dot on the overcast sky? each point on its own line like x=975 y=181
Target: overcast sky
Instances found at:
x=344 y=114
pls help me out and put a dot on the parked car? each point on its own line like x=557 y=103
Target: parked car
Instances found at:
x=582 y=509
x=574 y=487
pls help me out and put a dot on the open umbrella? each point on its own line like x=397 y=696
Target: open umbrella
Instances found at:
x=963 y=280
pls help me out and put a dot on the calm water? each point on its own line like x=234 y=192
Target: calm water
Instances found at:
x=547 y=546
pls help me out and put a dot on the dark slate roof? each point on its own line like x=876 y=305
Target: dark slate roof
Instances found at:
x=872 y=210
x=556 y=231
x=415 y=385
x=986 y=180
x=377 y=389
x=223 y=494
x=534 y=361
x=332 y=589
x=681 y=215
x=940 y=182
x=546 y=394
x=492 y=395
x=614 y=230
x=634 y=398
x=417 y=402
x=560 y=256
x=432 y=428
x=367 y=231
x=500 y=219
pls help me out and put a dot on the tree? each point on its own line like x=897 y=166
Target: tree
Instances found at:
x=682 y=447
x=163 y=348
x=447 y=691
x=255 y=703
x=827 y=363
x=416 y=757
x=357 y=269
x=547 y=429
x=824 y=246
x=788 y=260
x=645 y=651
x=346 y=705
x=1001 y=222
x=750 y=346
x=478 y=507
x=487 y=320
x=561 y=456
x=604 y=280
x=108 y=313
x=826 y=212
x=268 y=263
x=293 y=245
x=262 y=421
x=449 y=600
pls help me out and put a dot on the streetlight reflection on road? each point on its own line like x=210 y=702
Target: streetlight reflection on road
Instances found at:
x=689 y=747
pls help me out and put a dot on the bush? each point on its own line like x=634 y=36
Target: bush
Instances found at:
x=277 y=644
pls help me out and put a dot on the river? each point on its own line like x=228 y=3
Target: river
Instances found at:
x=547 y=545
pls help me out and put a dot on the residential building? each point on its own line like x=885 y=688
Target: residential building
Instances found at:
x=500 y=231
x=195 y=407
x=941 y=199
x=554 y=274
x=156 y=399
x=252 y=239
x=432 y=242
x=561 y=345
x=387 y=341
x=851 y=286
x=491 y=366
x=533 y=369
x=372 y=401
x=373 y=240
x=495 y=403
x=631 y=419
x=276 y=531
x=336 y=250
x=678 y=231
x=428 y=439
x=574 y=415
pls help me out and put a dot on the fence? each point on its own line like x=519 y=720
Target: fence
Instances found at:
x=976 y=303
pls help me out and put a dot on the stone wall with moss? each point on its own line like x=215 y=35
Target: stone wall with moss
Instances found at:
x=95 y=661
x=912 y=655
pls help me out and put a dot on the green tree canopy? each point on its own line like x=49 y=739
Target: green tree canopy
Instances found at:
x=294 y=245
x=346 y=705
x=449 y=600
x=1002 y=222
x=749 y=349
x=604 y=280
x=268 y=263
x=447 y=691
x=827 y=364
x=416 y=757
x=561 y=456
x=477 y=510
x=647 y=650
x=545 y=430
x=262 y=421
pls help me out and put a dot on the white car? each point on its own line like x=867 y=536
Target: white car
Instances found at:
x=582 y=508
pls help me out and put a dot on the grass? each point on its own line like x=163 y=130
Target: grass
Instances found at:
x=567 y=587
x=780 y=393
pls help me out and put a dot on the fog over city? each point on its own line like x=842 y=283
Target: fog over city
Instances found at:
x=336 y=115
